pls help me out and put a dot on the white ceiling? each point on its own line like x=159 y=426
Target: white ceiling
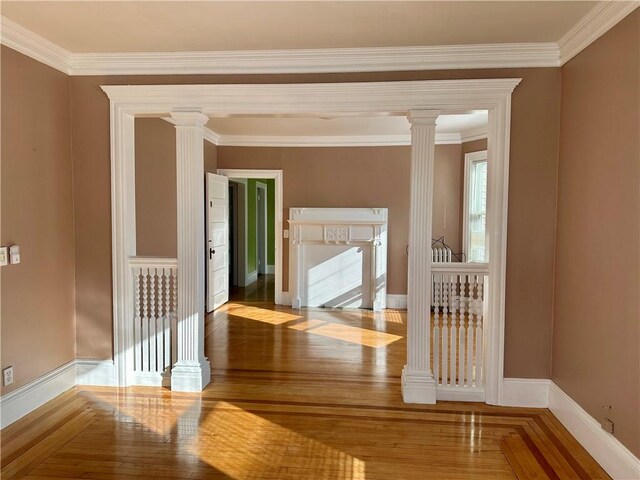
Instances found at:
x=340 y=126
x=170 y=26
x=313 y=131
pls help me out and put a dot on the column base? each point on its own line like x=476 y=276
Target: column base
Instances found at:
x=190 y=377
x=418 y=387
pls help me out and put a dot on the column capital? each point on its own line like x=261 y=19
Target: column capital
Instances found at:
x=423 y=118
x=189 y=119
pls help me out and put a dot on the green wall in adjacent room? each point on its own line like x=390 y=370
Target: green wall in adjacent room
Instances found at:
x=252 y=241
x=271 y=221
x=252 y=223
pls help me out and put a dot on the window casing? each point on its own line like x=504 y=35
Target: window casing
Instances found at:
x=475 y=238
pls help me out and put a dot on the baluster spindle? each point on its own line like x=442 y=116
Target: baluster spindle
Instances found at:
x=167 y=318
x=446 y=290
x=472 y=315
x=174 y=284
x=445 y=350
x=479 y=370
x=137 y=350
x=437 y=286
x=145 y=320
x=153 y=367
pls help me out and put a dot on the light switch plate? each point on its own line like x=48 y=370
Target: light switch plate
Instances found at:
x=3 y=256
x=14 y=254
x=286 y=234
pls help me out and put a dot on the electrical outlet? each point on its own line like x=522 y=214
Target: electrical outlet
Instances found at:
x=7 y=374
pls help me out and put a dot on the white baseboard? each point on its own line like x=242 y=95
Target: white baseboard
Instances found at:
x=454 y=394
x=607 y=450
x=250 y=278
x=398 y=302
x=27 y=398
x=271 y=269
x=525 y=392
x=285 y=299
x=96 y=372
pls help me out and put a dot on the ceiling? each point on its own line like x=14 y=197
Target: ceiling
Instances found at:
x=171 y=26
x=339 y=126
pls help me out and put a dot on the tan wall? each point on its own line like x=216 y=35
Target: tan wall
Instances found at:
x=534 y=151
x=156 y=203
x=38 y=327
x=596 y=331
x=448 y=181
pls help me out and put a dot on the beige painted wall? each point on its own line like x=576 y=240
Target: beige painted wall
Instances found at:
x=156 y=203
x=448 y=181
x=596 y=331
x=37 y=313
x=534 y=151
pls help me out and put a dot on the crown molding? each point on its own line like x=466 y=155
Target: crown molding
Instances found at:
x=474 y=134
x=333 y=140
x=313 y=140
x=331 y=60
x=23 y=40
x=598 y=21
x=594 y=24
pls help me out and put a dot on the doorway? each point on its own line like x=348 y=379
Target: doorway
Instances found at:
x=255 y=235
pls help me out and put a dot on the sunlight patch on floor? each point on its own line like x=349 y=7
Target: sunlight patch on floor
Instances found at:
x=158 y=415
x=271 y=317
x=347 y=333
x=243 y=445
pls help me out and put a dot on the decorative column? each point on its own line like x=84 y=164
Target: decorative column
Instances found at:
x=191 y=372
x=418 y=384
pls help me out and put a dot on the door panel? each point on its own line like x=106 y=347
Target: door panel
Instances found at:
x=217 y=240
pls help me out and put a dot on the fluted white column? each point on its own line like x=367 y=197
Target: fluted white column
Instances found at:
x=418 y=385
x=191 y=372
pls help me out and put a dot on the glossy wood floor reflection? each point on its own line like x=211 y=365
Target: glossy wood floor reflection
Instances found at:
x=310 y=394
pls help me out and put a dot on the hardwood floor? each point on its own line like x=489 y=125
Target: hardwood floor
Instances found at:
x=310 y=394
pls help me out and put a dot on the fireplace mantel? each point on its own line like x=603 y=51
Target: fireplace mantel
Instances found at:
x=338 y=257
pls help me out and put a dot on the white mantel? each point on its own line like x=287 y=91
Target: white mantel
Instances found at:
x=338 y=257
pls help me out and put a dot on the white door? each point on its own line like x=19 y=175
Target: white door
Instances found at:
x=217 y=241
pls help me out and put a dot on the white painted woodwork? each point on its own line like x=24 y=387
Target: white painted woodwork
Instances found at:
x=459 y=307
x=418 y=385
x=338 y=257
x=217 y=240
x=191 y=371
x=154 y=316
x=451 y=96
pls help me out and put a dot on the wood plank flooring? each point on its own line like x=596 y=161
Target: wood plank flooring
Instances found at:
x=310 y=394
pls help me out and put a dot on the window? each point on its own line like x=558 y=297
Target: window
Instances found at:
x=475 y=207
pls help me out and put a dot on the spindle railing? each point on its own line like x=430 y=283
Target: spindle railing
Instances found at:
x=457 y=325
x=154 y=317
